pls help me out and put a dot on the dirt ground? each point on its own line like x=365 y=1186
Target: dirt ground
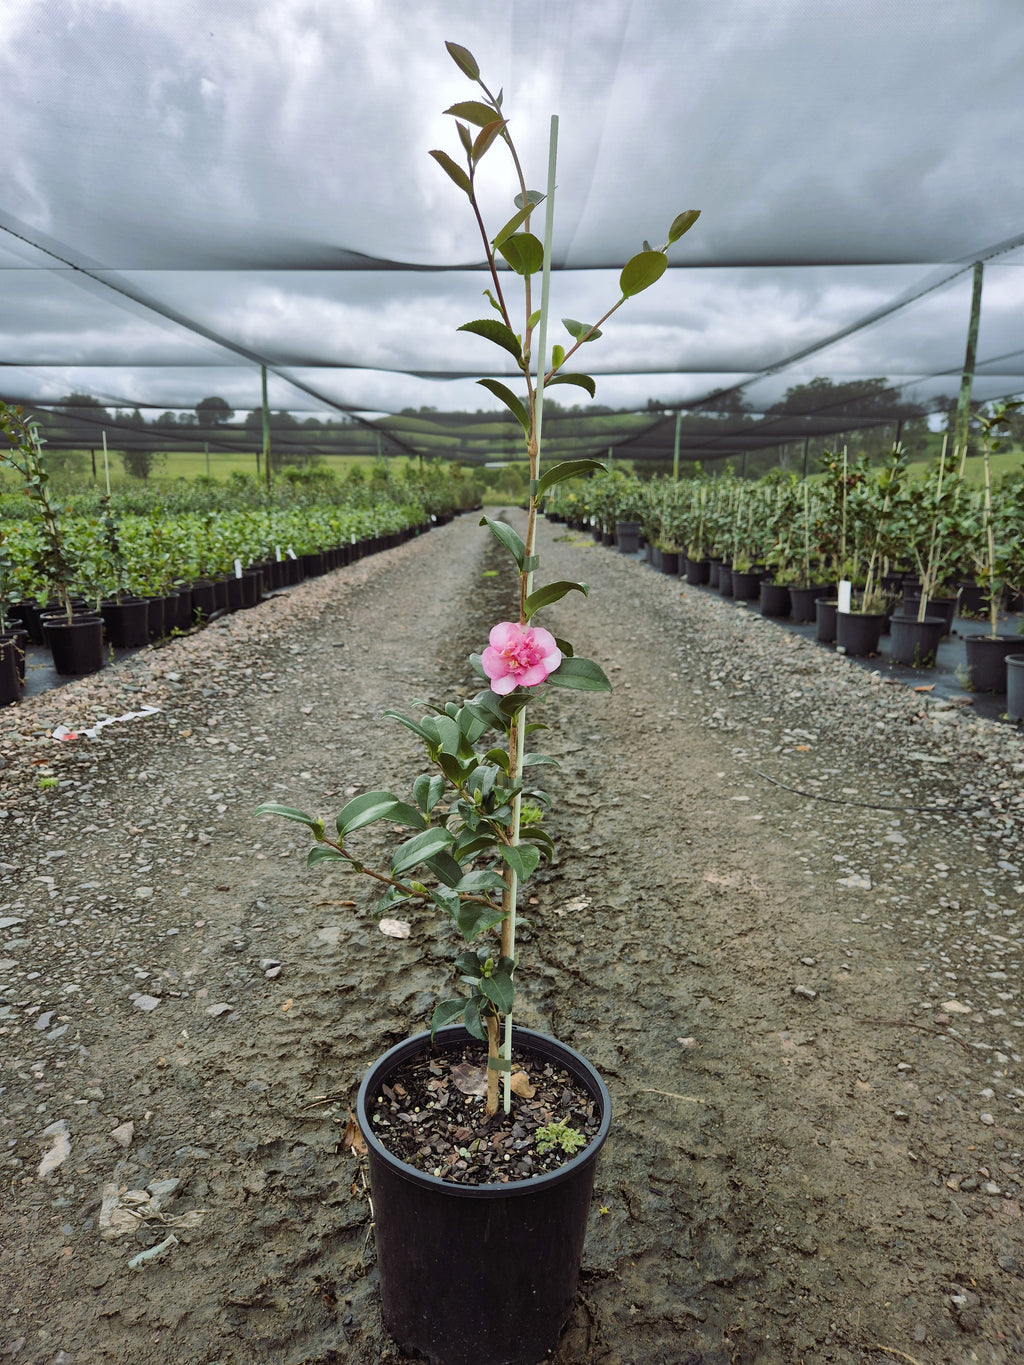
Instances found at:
x=784 y=923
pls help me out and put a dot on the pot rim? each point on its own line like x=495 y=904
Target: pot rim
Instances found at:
x=526 y=1038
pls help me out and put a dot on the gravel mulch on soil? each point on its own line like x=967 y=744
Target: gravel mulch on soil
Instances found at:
x=785 y=924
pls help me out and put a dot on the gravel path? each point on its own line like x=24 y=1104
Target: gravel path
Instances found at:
x=785 y=924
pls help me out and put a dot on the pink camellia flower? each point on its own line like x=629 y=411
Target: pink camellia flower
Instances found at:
x=519 y=656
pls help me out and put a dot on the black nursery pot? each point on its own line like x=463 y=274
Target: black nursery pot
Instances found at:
x=10 y=682
x=825 y=613
x=859 y=633
x=479 y=1274
x=76 y=645
x=986 y=660
x=775 y=599
x=697 y=572
x=126 y=622
x=915 y=642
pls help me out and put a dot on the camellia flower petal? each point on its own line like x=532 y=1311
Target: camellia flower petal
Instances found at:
x=519 y=656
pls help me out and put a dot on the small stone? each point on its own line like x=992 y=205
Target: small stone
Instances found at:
x=145 y=1002
x=123 y=1134
x=990 y=1187
x=987 y=1119
x=216 y=1010
x=955 y=1007
x=805 y=993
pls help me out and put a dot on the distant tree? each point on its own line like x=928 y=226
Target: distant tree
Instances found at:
x=139 y=464
x=166 y=419
x=211 y=412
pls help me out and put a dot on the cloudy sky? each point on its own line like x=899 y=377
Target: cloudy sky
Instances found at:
x=192 y=187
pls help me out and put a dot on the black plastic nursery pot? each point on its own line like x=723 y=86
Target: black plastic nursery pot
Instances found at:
x=126 y=622
x=775 y=599
x=725 y=581
x=76 y=645
x=802 y=601
x=986 y=660
x=943 y=607
x=858 y=633
x=10 y=681
x=204 y=599
x=697 y=572
x=627 y=534
x=825 y=612
x=915 y=642
x=479 y=1274
x=746 y=585
x=670 y=561
x=1015 y=686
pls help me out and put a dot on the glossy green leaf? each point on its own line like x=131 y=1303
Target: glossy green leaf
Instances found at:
x=557 y=356
x=508 y=537
x=371 y=806
x=420 y=847
x=427 y=790
x=497 y=332
x=522 y=859
x=540 y=761
x=552 y=592
x=474 y=919
x=516 y=221
x=481 y=881
x=582 y=381
x=473 y=111
x=524 y=253
x=466 y=138
x=287 y=813
x=581 y=674
x=532 y=199
x=682 y=223
x=475 y=1025
x=579 y=330
x=417 y=727
x=323 y=853
x=514 y=404
x=445 y=1012
x=568 y=469
x=534 y=318
x=464 y=60
x=645 y=269
x=444 y=868
x=499 y=990
x=454 y=171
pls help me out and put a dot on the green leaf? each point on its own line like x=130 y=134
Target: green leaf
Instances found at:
x=581 y=674
x=430 y=735
x=464 y=60
x=524 y=252
x=444 y=868
x=516 y=221
x=475 y=919
x=499 y=990
x=533 y=198
x=485 y=137
x=557 y=356
x=540 y=761
x=582 y=381
x=568 y=469
x=497 y=332
x=473 y=111
x=427 y=790
x=645 y=269
x=287 y=813
x=371 y=806
x=522 y=859
x=515 y=405
x=466 y=138
x=579 y=330
x=552 y=592
x=534 y=318
x=445 y=1012
x=420 y=847
x=492 y=301
x=508 y=537
x=481 y=881
x=475 y=1026
x=682 y=223
x=498 y=757
x=454 y=171
x=323 y=853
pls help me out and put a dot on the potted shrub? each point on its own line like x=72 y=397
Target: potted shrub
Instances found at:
x=859 y=630
x=75 y=638
x=475 y=1268
x=986 y=654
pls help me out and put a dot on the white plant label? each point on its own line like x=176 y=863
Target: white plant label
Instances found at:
x=238 y=568
x=277 y=551
x=291 y=553
x=845 y=590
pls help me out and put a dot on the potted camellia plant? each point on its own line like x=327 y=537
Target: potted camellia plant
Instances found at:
x=987 y=654
x=479 y=1234
x=75 y=638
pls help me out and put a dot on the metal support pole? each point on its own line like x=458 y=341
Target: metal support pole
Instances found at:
x=266 y=426
x=675 y=452
x=93 y=454
x=963 y=402
x=206 y=447
x=807 y=444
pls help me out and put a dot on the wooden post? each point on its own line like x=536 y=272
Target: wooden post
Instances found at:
x=963 y=402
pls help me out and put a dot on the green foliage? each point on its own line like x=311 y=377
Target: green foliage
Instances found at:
x=561 y=1135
